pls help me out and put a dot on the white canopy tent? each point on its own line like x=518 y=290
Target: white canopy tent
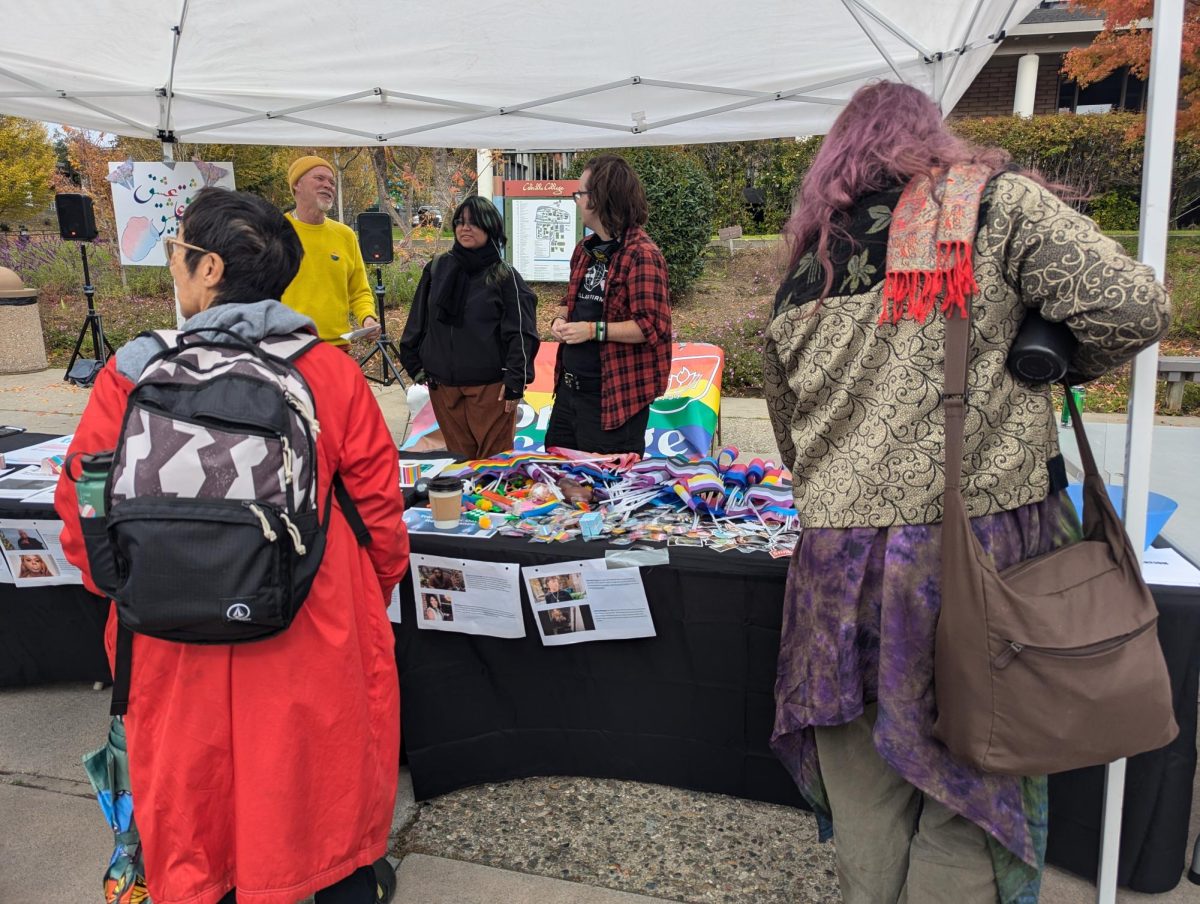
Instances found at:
x=542 y=75
x=456 y=74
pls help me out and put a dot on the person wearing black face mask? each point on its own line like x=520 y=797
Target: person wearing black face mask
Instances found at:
x=471 y=336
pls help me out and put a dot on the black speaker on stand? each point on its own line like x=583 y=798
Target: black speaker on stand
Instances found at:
x=375 y=241
x=77 y=223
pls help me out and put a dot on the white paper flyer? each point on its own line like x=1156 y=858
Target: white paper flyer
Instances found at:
x=394 y=611
x=466 y=596
x=26 y=483
x=574 y=602
x=33 y=556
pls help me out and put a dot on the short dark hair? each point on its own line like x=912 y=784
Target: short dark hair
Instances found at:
x=259 y=246
x=616 y=193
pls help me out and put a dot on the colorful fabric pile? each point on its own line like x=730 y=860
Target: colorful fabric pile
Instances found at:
x=708 y=501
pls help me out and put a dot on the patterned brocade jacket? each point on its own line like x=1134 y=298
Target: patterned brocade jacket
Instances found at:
x=856 y=405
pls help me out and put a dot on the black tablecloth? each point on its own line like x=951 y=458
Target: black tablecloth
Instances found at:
x=693 y=707
x=48 y=633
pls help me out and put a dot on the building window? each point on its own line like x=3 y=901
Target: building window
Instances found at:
x=1119 y=91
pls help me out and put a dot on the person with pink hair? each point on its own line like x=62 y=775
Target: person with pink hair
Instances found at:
x=898 y=225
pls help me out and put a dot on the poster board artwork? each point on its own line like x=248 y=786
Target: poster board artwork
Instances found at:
x=149 y=199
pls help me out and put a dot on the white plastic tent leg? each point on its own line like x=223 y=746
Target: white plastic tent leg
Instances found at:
x=1167 y=38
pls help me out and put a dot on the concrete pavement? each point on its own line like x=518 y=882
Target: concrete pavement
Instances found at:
x=54 y=843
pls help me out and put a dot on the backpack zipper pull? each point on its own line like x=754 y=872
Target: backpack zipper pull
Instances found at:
x=1008 y=654
x=310 y=419
x=288 y=459
x=294 y=533
x=266 y=525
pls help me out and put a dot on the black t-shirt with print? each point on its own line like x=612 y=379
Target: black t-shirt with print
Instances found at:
x=583 y=360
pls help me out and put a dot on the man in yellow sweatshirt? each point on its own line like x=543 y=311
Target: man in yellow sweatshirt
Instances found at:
x=332 y=281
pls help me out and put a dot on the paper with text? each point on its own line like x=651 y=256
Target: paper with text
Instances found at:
x=467 y=597
x=575 y=602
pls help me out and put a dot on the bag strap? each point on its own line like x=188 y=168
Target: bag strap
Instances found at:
x=122 y=668
x=361 y=532
x=955 y=400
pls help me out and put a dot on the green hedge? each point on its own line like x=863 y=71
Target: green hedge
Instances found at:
x=1100 y=157
x=681 y=202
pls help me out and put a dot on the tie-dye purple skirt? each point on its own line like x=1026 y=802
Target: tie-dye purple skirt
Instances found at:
x=859 y=620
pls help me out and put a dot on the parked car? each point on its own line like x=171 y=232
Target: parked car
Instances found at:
x=427 y=215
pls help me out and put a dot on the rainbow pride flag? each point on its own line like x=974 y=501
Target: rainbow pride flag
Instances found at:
x=682 y=420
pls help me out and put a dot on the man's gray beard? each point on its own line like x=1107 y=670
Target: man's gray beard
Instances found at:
x=324 y=206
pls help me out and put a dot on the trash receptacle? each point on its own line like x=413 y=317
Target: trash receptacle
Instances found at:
x=22 y=346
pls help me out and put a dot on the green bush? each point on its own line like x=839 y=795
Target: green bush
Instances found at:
x=774 y=167
x=1114 y=211
x=682 y=205
x=742 y=341
x=399 y=282
x=1094 y=155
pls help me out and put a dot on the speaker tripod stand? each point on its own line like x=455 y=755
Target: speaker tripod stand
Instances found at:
x=385 y=348
x=92 y=323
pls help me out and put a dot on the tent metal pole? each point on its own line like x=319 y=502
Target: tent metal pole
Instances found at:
x=850 y=8
x=1007 y=15
x=583 y=92
x=62 y=94
x=960 y=46
x=1162 y=105
x=590 y=123
x=177 y=35
x=893 y=27
x=277 y=114
x=387 y=94
x=75 y=99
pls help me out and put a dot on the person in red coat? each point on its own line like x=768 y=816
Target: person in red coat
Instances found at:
x=266 y=772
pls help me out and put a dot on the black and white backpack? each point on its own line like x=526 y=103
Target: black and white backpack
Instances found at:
x=213 y=531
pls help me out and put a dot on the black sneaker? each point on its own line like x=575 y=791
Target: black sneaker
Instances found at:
x=385 y=881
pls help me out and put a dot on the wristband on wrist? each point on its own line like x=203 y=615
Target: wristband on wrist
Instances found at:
x=596 y=330
x=602 y=326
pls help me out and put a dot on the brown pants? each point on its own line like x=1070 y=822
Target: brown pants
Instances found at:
x=894 y=844
x=473 y=420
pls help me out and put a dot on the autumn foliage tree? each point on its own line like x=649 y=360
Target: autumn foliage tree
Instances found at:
x=26 y=169
x=1123 y=43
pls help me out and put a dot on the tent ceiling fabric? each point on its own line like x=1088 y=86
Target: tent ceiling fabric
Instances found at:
x=352 y=72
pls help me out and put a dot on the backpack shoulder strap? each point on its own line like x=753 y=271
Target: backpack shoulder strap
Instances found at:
x=291 y=346
x=361 y=532
x=121 y=670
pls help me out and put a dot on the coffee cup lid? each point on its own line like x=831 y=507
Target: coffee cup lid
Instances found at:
x=445 y=485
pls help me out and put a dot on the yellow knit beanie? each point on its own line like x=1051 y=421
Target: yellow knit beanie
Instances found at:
x=302 y=165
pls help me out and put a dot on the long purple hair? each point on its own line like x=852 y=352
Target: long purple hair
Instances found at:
x=888 y=134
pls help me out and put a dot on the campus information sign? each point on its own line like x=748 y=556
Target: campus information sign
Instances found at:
x=543 y=227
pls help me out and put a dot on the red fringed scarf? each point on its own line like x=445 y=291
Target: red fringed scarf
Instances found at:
x=929 y=246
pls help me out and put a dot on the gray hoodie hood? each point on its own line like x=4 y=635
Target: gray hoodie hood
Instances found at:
x=253 y=322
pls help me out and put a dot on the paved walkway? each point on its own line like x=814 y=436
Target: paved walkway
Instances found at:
x=669 y=844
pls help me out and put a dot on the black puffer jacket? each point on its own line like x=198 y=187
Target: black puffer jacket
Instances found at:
x=497 y=340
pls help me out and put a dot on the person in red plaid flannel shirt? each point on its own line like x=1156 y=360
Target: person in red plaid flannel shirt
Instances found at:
x=614 y=326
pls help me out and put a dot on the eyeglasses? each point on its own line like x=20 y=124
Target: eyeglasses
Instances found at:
x=579 y=194
x=170 y=243
x=462 y=222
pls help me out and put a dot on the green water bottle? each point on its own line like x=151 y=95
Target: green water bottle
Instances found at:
x=1078 y=392
x=89 y=485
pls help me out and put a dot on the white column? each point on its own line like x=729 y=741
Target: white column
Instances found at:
x=1023 y=97
x=483 y=166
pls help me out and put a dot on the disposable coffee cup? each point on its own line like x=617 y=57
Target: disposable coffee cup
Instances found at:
x=445 y=502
